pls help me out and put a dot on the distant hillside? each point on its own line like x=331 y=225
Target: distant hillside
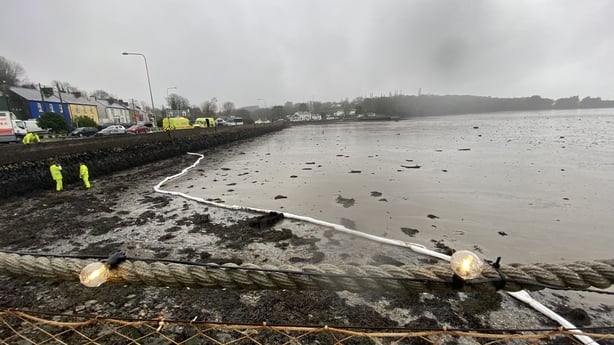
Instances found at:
x=424 y=105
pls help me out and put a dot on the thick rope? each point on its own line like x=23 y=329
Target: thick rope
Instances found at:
x=403 y=279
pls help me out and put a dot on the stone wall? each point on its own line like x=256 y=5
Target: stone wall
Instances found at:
x=25 y=168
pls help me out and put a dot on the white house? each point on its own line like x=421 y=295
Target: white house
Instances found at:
x=111 y=111
x=304 y=116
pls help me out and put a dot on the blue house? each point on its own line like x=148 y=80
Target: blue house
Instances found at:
x=35 y=102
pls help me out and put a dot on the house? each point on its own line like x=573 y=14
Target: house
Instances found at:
x=113 y=111
x=33 y=102
x=304 y=116
x=80 y=106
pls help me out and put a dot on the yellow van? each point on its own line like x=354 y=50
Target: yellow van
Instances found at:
x=173 y=123
x=204 y=122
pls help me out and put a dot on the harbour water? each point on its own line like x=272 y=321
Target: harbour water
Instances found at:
x=526 y=186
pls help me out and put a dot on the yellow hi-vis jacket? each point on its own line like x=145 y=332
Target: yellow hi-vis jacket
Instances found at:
x=56 y=171
x=83 y=171
x=30 y=138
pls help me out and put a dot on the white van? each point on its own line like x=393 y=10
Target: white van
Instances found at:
x=11 y=129
x=235 y=121
x=32 y=127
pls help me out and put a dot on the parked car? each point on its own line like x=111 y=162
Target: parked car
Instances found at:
x=221 y=122
x=111 y=130
x=83 y=132
x=137 y=129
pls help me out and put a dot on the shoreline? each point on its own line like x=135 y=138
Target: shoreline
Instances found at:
x=117 y=214
x=25 y=168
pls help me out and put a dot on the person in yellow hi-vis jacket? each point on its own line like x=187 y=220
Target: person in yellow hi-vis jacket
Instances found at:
x=56 y=174
x=84 y=174
x=31 y=138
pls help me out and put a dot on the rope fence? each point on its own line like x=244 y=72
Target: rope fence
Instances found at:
x=398 y=279
x=19 y=327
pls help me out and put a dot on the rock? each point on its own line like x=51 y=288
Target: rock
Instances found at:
x=502 y=233
x=432 y=216
x=279 y=196
x=410 y=232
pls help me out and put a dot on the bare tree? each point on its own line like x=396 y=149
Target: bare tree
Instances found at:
x=65 y=86
x=101 y=94
x=10 y=72
x=176 y=102
x=210 y=107
x=228 y=108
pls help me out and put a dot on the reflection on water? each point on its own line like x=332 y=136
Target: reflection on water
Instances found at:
x=530 y=187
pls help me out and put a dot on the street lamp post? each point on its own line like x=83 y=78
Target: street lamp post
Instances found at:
x=263 y=107
x=153 y=107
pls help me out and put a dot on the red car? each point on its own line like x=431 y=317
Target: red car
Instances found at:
x=135 y=129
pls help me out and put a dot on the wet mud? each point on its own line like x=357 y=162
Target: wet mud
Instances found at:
x=122 y=212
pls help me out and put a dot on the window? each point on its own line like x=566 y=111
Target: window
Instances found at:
x=40 y=107
x=61 y=109
x=50 y=107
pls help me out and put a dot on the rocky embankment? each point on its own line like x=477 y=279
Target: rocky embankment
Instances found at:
x=25 y=168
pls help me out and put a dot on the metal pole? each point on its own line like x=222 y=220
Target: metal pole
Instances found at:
x=153 y=107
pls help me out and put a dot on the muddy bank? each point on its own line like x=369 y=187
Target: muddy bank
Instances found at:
x=25 y=168
x=119 y=213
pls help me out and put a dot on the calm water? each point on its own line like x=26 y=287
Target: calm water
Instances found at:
x=529 y=186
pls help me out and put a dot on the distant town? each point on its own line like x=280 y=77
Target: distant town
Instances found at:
x=29 y=101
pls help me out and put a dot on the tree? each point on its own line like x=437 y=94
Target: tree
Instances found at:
x=195 y=112
x=84 y=121
x=101 y=94
x=210 y=107
x=289 y=108
x=303 y=107
x=10 y=72
x=245 y=115
x=55 y=121
x=176 y=102
x=228 y=108
x=66 y=87
x=277 y=112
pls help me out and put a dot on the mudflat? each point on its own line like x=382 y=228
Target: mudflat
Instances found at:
x=121 y=212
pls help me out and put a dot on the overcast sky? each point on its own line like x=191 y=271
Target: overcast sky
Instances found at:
x=243 y=51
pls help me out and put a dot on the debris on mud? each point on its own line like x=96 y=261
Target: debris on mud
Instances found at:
x=265 y=221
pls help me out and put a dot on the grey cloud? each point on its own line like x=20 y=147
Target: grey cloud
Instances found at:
x=295 y=50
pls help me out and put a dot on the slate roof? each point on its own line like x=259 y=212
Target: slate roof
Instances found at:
x=32 y=94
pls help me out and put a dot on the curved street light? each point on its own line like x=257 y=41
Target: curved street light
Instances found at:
x=153 y=107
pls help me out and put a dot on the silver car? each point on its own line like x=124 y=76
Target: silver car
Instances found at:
x=111 y=130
